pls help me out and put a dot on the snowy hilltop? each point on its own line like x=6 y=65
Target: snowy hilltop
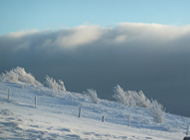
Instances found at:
x=31 y=110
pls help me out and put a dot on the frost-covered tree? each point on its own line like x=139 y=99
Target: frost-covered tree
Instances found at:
x=51 y=83
x=140 y=99
x=120 y=95
x=93 y=95
x=17 y=75
x=157 y=111
x=133 y=98
x=130 y=97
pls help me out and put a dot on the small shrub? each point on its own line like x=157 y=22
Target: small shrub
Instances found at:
x=131 y=98
x=17 y=75
x=93 y=95
x=141 y=100
x=120 y=95
x=157 y=111
x=51 y=83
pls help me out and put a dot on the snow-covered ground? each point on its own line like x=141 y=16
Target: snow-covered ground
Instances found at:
x=56 y=117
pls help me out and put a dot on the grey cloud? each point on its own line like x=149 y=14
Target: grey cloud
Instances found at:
x=149 y=57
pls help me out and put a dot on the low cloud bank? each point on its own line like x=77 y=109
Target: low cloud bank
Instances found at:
x=123 y=34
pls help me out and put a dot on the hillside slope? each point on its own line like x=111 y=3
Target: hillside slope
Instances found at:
x=56 y=117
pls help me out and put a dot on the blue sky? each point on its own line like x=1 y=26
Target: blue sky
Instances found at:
x=58 y=14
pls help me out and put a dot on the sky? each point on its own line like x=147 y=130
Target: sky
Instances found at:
x=57 y=14
x=138 y=44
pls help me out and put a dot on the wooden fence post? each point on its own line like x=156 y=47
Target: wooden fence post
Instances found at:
x=79 y=112
x=102 y=118
x=9 y=92
x=129 y=119
x=187 y=133
x=35 y=101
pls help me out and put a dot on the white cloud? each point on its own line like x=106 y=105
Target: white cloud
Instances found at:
x=87 y=35
x=153 y=32
x=21 y=33
x=79 y=36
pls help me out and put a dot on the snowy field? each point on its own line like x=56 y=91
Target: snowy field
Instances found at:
x=56 y=117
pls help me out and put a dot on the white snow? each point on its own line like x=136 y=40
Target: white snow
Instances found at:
x=56 y=117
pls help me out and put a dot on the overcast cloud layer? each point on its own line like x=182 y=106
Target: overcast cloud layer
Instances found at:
x=149 y=57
